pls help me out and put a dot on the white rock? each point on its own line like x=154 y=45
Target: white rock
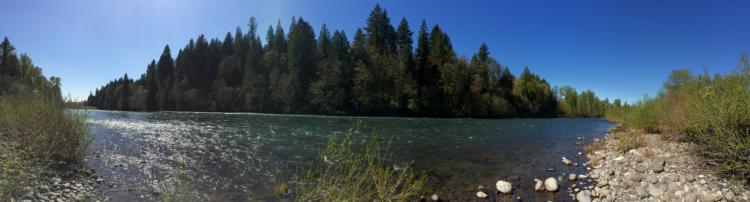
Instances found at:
x=619 y=158
x=572 y=177
x=584 y=196
x=481 y=194
x=435 y=197
x=539 y=186
x=566 y=161
x=550 y=184
x=503 y=186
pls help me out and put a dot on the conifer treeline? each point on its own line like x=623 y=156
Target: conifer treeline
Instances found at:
x=378 y=73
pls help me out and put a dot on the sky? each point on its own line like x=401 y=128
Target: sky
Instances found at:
x=618 y=49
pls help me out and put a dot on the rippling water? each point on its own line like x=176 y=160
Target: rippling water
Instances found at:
x=241 y=157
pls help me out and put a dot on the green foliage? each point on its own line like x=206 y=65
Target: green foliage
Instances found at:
x=380 y=72
x=713 y=112
x=535 y=96
x=344 y=173
x=583 y=104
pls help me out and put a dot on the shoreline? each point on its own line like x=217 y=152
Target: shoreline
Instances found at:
x=49 y=181
x=656 y=170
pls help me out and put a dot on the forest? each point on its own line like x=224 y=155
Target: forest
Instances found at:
x=378 y=73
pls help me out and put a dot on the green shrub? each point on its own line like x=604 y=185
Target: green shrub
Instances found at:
x=44 y=128
x=35 y=132
x=713 y=112
x=719 y=124
x=345 y=174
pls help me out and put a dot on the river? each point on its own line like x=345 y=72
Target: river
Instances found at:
x=242 y=156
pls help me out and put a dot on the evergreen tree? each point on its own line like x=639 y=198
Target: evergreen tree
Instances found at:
x=151 y=88
x=301 y=63
x=165 y=76
x=381 y=72
x=407 y=80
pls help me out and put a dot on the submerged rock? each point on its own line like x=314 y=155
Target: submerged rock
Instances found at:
x=566 y=161
x=503 y=186
x=572 y=177
x=550 y=184
x=539 y=185
x=481 y=194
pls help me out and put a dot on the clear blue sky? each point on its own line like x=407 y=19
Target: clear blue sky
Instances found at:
x=619 y=49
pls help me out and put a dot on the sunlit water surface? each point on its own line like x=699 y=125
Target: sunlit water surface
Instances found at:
x=242 y=157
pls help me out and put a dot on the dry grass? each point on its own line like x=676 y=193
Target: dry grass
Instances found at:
x=625 y=141
x=594 y=146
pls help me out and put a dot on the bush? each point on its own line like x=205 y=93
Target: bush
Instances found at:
x=713 y=112
x=36 y=132
x=719 y=125
x=343 y=174
x=42 y=127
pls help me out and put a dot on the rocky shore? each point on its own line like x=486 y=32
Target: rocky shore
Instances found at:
x=71 y=185
x=659 y=170
x=50 y=181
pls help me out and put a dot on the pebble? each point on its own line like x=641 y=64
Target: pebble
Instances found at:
x=666 y=173
x=481 y=194
x=572 y=177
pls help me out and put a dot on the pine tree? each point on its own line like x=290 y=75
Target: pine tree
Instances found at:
x=151 y=87
x=165 y=75
x=301 y=64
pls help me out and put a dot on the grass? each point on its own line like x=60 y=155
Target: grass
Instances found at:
x=37 y=132
x=713 y=112
x=345 y=173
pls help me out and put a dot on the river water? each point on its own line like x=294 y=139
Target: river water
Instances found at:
x=242 y=157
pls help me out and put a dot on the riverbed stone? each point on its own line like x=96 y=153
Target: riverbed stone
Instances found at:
x=503 y=186
x=567 y=161
x=656 y=190
x=481 y=194
x=641 y=167
x=652 y=179
x=584 y=196
x=538 y=185
x=572 y=177
x=550 y=184
x=657 y=165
